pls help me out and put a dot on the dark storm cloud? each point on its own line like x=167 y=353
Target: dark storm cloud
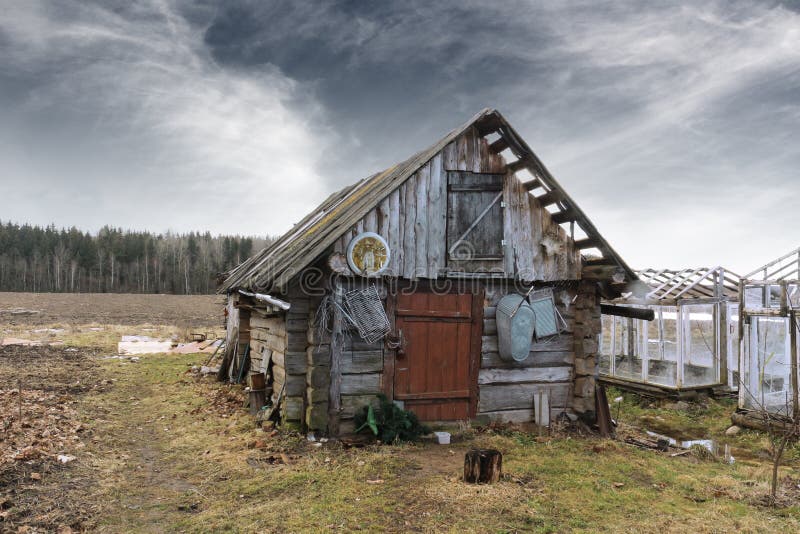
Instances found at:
x=672 y=124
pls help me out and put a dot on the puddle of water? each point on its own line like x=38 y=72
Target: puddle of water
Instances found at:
x=721 y=450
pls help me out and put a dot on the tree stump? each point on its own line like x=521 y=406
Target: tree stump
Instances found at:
x=483 y=466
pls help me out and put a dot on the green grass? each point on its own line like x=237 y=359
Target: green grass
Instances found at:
x=170 y=447
x=706 y=419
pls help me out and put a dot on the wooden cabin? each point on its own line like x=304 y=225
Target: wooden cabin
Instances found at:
x=392 y=286
x=689 y=342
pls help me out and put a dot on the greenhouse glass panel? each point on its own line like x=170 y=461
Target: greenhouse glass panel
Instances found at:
x=769 y=367
x=628 y=363
x=700 y=354
x=606 y=344
x=733 y=346
x=662 y=368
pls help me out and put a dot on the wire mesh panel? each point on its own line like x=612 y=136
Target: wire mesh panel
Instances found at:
x=365 y=311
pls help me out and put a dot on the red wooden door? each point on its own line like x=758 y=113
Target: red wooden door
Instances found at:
x=436 y=372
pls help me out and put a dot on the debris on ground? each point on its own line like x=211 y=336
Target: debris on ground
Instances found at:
x=143 y=345
x=6 y=341
x=41 y=433
x=149 y=345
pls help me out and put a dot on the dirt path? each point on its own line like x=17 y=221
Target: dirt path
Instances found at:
x=143 y=490
x=158 y=449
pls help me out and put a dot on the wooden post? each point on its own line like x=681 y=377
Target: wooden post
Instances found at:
x=483 y=466
x=720 y=316
x=794 y=365
x=337 y=341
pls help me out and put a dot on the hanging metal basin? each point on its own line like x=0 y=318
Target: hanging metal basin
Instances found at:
x=515 y=324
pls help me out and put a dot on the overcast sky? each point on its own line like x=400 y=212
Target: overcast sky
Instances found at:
x=674 y=127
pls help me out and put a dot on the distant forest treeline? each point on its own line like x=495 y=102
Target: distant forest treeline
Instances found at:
x=48 y=259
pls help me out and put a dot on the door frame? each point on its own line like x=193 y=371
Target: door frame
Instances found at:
x=476 y=334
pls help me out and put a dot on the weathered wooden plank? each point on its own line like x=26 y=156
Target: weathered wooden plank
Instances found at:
x=292 y=408
x=299 y=325
x=351 y=404
x=384 y=220
x=268 y=340
x=401 y=229
x=318 y=377
x=362 y=362
x=394 y=235
x=508 y=227
x=563 y=216
x=519 y=396
x=294 y=363
x=462 y=163
x=295 y=384
x=296 y=341
x=421 y=223
x=561 y=342
x=489 y=327
x=476 y=150
x=437 y=217
x=498 y=145
x=371 y=221
x=334 y=391
x=271 y=324
x=527 y=374
x=361 y=384
x=511 y=416
x=522 y=232
x=517 y=165
x=450 y=157
x=534 y=359
x=355 y=343
x=408 y=217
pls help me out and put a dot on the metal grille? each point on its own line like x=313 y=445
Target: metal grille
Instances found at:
x=365 y=311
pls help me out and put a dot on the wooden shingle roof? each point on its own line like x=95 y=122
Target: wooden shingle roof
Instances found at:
x=272 y=268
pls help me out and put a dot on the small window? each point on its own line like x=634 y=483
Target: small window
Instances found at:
x=474 y=220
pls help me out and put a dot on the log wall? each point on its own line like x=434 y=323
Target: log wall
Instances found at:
x=361 y=368
x=564 y=365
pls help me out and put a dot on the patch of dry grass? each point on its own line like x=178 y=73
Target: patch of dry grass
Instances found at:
x=171 y=452
x=179 y=456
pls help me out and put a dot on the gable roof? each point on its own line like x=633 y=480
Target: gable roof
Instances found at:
x=278 y=263
x=787 y=267
x=667 y=284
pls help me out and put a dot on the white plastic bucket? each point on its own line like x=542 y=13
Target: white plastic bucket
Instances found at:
x=443 y=437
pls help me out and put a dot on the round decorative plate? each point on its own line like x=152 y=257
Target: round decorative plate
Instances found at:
x=368 y=254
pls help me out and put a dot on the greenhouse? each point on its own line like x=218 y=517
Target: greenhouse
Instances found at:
x=769 y=330
x=689 y=342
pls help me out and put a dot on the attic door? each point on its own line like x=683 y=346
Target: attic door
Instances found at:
x=474 y=222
